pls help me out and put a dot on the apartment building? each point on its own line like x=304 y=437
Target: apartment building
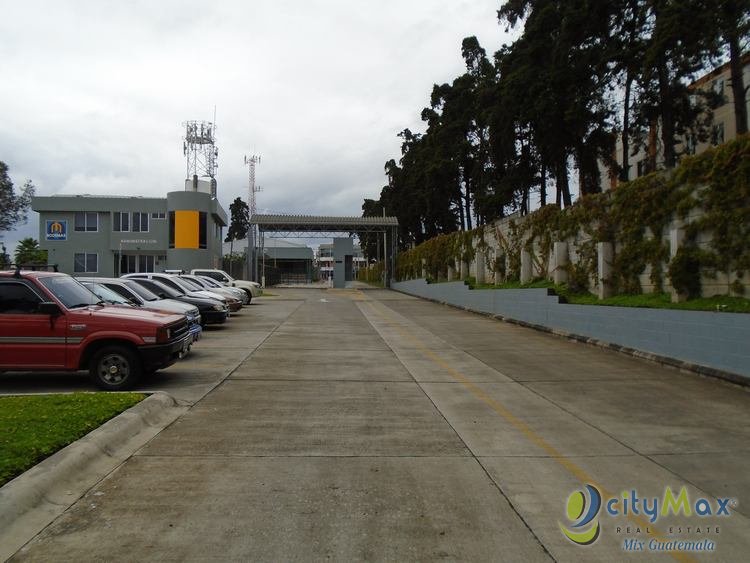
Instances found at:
x=723 y=128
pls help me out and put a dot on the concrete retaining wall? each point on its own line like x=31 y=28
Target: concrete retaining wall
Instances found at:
x=500 y=237
x=716 y=341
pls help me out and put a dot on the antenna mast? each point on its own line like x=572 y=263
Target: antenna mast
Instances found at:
x=201 y=154
x=252 y=231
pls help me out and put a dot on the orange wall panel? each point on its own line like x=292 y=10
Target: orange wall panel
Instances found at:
x=186 y=229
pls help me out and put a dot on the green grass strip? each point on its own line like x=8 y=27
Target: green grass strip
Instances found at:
x=718 y=303
x=33 y=427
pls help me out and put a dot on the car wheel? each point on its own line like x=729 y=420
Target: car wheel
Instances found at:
x=114 y=368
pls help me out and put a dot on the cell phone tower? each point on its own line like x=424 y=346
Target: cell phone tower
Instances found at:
x=252 y=231
x=201 y=154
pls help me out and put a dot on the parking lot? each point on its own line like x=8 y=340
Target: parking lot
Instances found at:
x=348 y=425
x=221 y=349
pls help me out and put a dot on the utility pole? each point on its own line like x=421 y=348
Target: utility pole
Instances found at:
x=385 y=253
x=252 y=235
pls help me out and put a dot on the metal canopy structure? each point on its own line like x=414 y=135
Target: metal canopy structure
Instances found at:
x=322 y=226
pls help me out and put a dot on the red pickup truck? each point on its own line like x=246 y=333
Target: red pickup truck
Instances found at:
x=50 y=322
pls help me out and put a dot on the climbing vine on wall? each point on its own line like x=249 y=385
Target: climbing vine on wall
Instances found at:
x=725 y=201
x=373 y=273
x=439 y=254
x=636 y=217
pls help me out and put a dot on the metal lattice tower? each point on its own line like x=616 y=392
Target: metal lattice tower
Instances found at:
x=252 y=232
x=199 y=148
x=251 y=161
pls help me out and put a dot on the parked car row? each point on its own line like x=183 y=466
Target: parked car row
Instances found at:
x=118 y=329
x=252 y=288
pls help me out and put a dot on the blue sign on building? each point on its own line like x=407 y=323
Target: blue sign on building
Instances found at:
x=57 y=230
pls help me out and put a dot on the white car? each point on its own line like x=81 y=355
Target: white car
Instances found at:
x=252 y=288
x=210 y=284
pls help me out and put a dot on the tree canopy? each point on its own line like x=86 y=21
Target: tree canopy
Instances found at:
x=14 y=206
x=28 y=252
x=549 y=108
x=4 y=257
x=239 y=221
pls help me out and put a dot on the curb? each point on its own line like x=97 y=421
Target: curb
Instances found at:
x=35 y=498
x=682 y=365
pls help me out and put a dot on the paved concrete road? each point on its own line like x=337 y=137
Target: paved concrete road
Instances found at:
x=355 y=425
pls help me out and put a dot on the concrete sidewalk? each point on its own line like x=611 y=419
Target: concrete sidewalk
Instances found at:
x=371 y=425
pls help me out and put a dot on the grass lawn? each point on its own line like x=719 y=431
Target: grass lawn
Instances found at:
x=719 y=303
x=33 y=427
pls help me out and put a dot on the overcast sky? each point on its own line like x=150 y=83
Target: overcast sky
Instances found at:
x=94 y=93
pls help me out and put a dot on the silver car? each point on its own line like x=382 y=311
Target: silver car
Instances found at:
x=213 y=285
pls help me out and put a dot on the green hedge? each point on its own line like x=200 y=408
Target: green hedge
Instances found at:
x=636 y=215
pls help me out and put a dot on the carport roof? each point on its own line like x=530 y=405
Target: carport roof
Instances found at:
x=316 y=223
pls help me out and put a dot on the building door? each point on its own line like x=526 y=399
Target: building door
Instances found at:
x=127 y=264
x=145 y=263
x=28 y=338
x=132 y=263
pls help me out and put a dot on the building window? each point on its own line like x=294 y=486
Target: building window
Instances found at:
x=120 y=221
x=718 y=86
x=140 y=222
x=159 y=215
x=717 y=134
x=85 y=263
x=203 y=230
x=145 y=263
x=171 y=229
x=86 y=221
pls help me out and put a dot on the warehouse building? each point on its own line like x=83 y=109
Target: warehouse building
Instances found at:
x=286 y=262
x=113 y=235
x=281 y=261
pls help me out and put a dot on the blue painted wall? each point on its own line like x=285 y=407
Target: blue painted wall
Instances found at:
x=719 y=341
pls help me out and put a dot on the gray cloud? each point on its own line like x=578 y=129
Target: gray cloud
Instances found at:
x=95 y=92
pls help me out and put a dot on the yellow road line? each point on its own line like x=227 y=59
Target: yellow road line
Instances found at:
x=519 y=425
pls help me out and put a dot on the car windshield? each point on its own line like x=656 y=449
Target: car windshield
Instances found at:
x=69 y=291
x=107 y=294
x=208 y=282
x=218 y=276
x=211 y=282
x=191 y=283
x=141 y=291
x=123 y=291
x=183 y=284
x=172 y=283
x=156 y=286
